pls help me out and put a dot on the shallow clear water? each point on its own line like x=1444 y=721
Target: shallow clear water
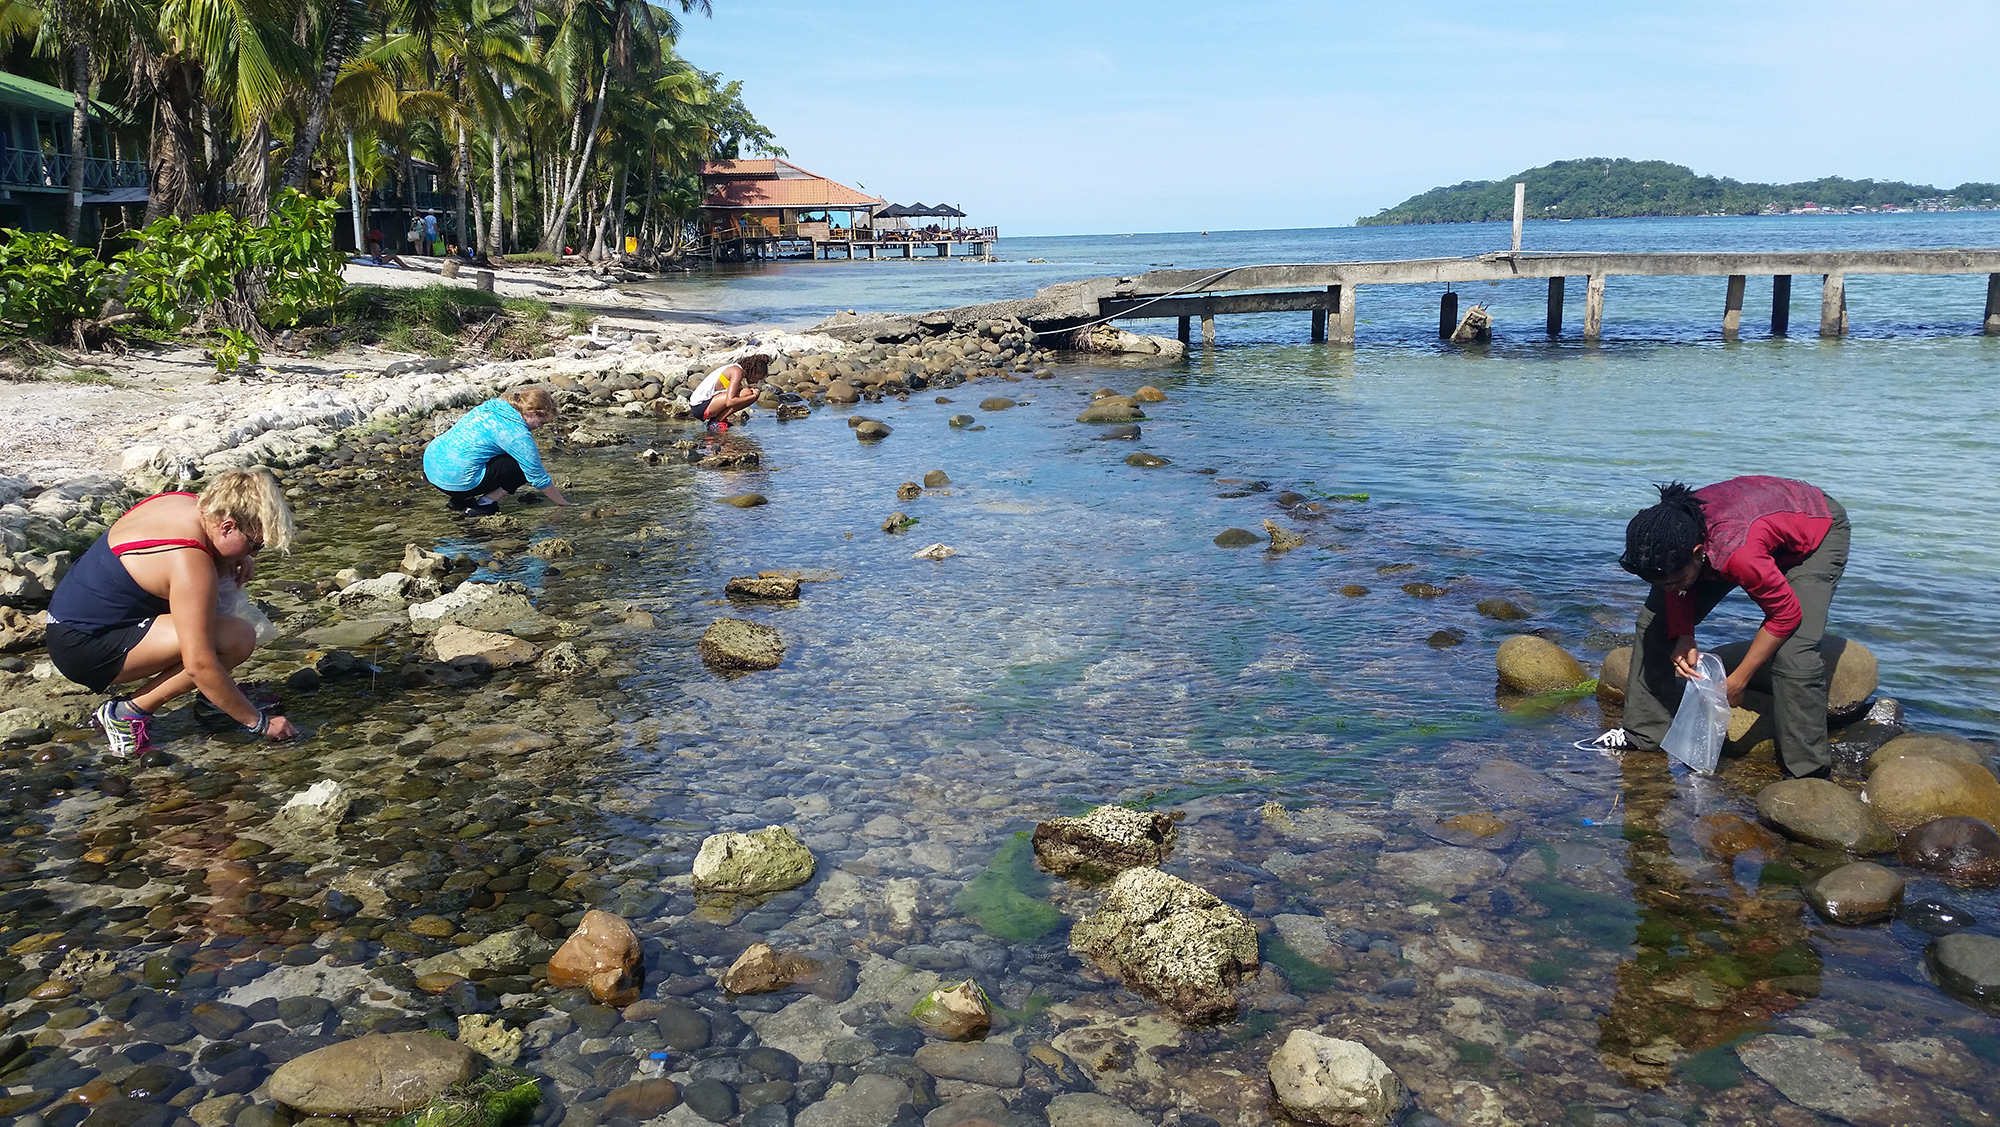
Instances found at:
x=1090 y=643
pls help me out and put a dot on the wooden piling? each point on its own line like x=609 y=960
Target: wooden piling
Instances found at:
x=1593 y=308
x=1184 y=330
x=1993 y=305
x=1833 y=306
x=1447 y=314
x=1781 y=304
x=1556 y=285
x=1732 y=308
x=1341 y=299
x=1319 y=326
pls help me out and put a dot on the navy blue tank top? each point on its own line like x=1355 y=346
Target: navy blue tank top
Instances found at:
x=99 y=595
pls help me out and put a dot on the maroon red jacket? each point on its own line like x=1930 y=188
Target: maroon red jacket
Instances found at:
x=1758 y=528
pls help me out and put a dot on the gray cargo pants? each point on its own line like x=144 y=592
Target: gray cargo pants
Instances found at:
x=1798 y=674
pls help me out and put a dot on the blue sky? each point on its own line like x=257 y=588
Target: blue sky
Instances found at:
x=1062 y=118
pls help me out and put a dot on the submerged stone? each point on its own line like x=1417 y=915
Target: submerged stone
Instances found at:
x=1321 y=1079
x=738 y=643
x=1962 y=850
x=1823 y=813
x=1860 y=893
x=380 y=1074
x=1528 y=663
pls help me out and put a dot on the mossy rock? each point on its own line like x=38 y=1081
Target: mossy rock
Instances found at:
x=1528 y=663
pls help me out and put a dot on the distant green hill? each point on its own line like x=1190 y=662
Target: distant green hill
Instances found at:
x=1604 y=188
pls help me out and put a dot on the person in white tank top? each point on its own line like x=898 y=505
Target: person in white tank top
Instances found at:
x=729 y=389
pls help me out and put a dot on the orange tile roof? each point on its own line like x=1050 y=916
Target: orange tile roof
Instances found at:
x=816 y=192
x=745 y=168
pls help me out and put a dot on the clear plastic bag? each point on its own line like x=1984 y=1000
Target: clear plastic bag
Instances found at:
x=235 y=602
x=1702 y=722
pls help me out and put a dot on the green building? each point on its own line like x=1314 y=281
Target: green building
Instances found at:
x=35 y=161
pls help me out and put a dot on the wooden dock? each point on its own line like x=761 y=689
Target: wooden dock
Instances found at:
x=1331 y=291
x=972 y=243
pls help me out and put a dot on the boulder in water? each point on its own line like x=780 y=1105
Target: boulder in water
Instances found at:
x=1936 y=917
x=1960 y=849
x=1928 y=745
x=1909 y=790
x=1150 y=394
x=955 y=1012
x=1172 y=942
x=1860 y=893
x=1822 y=813
x=602 y=955
x=1236 y=538
x=1852 y=674
x=1729 y=836
x=1500 y=609
x=1967 y=966
x=757 y=588
x=1108 y=840
x=1108 y=412
x=842 y=392
x=737 y=643
x=1321 y=1079
x=1612 y=675
x=381 y=1074
x=1145 y=461
x=769 y=860
x=1528 y=663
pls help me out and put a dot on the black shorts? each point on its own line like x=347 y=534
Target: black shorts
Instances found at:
x=93 y=660
x=503 y=472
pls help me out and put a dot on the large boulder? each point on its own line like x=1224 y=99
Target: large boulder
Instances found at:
x=389 y=592
x=1928 y=745
x=1108 y=840
x=1967 y=966
x=381 y=1074
x=1529 y=663
x=1172 y=942
x=1852 y=673
x=1822 y=813
x=1860 y=893
x=1612 y=675
x=1960 y=849
x=482 y=606
x=1110 y=413
x=603 y=955
x=1822 y=1075
x=1909 y=790
x=738 y=643
x=769 y=860
x=1320 y=1079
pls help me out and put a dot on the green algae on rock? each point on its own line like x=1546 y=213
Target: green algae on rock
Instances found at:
x=1003 y=898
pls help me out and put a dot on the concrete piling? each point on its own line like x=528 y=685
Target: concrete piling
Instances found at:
x=1781 y=304
x=1833 y=306
x=1341 y=301
x=1593 y=308
x=1993 y=305
x=1732 y=307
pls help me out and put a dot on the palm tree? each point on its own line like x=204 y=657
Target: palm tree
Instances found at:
x=486 y=55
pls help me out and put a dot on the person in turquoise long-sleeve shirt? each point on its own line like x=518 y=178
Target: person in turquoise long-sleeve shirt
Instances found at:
x=491 y=452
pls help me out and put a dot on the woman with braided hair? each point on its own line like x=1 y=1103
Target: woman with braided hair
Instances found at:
x=1785 y=543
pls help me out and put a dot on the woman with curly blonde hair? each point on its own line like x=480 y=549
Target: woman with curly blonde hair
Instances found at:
x=143 y=603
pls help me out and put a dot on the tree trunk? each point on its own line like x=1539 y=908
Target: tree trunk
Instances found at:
x=463 y=158
x=177 y=94
x=493 y=243
x=552 y=238
x=514 y=199
x=215 y=170
x=355 y=197
x=253 y=166
x=306 y=141
x=79 y=136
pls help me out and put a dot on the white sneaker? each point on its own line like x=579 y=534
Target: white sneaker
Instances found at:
x=1613 y=743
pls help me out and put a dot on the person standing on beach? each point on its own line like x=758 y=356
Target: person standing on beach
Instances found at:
x=491 y=452
x=143 y=603
x=1785 y=543
x=729 y=389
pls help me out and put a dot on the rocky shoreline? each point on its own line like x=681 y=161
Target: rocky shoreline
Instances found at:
x=486 y=839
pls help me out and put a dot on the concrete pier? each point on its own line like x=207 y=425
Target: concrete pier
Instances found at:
x=1833 y=306
x=1329 y=289
x=1732 y=307
x=1593 y=308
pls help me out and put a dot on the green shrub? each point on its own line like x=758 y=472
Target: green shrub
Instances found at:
x=47 y=283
